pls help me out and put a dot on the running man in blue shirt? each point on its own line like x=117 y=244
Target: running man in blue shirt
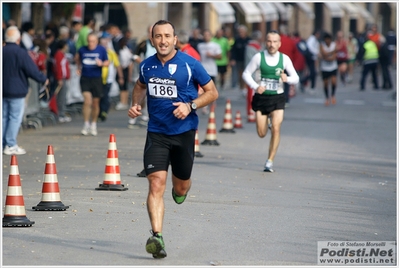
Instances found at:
x=170 y=81
x=89 y=60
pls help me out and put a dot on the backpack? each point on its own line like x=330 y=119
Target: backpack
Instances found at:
x=303 y=49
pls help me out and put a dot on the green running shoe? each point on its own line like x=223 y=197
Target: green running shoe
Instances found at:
x=156 y=246
x=178 y=199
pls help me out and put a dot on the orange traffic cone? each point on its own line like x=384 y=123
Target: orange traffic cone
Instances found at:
x=112 y=178
x=228 y=119
x=250 y=113
x=210 y=138
x=196 y=147
x=14 y=214
x=237 y=123
x=51 y=199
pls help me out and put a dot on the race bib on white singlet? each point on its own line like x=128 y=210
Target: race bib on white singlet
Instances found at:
x=162 y=88
x=270 y=84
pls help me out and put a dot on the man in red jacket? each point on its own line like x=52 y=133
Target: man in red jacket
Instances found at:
x=62 y=74
x=288 y=47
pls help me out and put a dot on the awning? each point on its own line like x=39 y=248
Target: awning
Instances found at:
x=251 y=12
x=282 y=10
x=269 y=11
x=365 y=13
x=225 y=12
x=307 y=9
x=351 y=9
x=335 y=9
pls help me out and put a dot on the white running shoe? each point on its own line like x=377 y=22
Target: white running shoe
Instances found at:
x=13 y=150
x=64 y=119
x=132 y=124
x=93 y=130
x=145 y=118
x=268 y=166
x=85 y=131
x=121 y=106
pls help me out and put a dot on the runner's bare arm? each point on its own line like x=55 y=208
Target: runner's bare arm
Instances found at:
x=138 y=95
x=210 y=94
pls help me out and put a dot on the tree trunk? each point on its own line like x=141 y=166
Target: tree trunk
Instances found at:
x=62 y=13
x=37 y=16
x=15 y=10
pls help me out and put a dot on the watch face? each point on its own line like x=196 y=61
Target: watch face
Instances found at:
x=193 y=105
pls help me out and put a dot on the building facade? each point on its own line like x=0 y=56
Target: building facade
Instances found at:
x=301 y=17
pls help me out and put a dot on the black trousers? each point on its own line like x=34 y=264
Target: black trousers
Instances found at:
x=370 y=67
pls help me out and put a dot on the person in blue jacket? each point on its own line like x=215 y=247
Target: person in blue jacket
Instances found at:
x=169 y=80
x=18 y=66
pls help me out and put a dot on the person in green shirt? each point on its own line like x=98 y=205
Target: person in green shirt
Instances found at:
x=224 y=61
x=88 y=27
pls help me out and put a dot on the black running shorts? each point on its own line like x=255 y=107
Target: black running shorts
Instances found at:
x=93 y=85
x=222 y=69
x=325 y=74
x=177 y=150
x=268 y=103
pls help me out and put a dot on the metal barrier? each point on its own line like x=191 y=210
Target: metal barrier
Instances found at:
x=32 y=107
x=35 y=115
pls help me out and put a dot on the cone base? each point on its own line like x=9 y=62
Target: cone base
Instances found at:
x=17 y=221
x=210 y=142
x=237 y=126
x=225 y=130
x=112 y=187
x=50 y=205
x=198 y=154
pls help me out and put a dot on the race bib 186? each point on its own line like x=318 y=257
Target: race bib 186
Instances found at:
x=162 y=88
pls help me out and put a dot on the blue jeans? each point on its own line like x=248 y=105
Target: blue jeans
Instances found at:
x=13 y=112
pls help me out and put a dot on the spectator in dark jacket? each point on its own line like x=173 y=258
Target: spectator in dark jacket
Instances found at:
x=17 y=68
x=385 y=62
x=391 y=43
x=299 y=61
x=238 y=55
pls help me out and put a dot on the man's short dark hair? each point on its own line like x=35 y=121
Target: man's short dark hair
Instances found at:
x=109 y=26
x=75 y=22
x=88 y=19
x=327 y=36
x=163 y=22
x=61 y=44
x=27 y=26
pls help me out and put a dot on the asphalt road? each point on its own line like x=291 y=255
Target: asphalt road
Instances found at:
x=334 y=180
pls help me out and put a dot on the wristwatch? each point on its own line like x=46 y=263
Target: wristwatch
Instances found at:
x=193 y=106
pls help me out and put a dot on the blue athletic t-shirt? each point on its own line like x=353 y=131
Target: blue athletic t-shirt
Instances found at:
x=176 y=81
x=88 y=59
